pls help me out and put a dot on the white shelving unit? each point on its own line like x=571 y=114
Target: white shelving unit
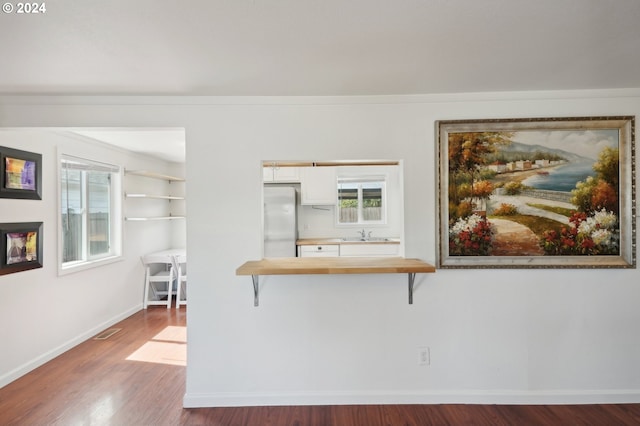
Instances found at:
x=153 y=175
x=156 y=197
x=144 y=219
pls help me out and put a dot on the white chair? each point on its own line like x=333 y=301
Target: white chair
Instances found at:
x=181 y=267
x=158 y=283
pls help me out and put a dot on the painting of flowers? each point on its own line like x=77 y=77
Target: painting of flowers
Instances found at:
x=536 y=192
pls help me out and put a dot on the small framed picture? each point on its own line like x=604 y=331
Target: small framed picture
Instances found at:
x=20 y=174
x=21 y=247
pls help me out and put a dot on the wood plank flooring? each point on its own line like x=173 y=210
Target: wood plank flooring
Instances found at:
x=95 y=384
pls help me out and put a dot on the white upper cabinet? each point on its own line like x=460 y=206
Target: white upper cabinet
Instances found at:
x=318 y=185
x=276 y=173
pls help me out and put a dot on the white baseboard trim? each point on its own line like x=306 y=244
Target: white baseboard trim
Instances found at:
x=507 y=397
x=48 y=356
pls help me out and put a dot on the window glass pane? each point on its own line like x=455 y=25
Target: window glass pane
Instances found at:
x=99 y=205
x=90 y=208
x=348 y=203
x=372 y=201
x=72 y=214
x=360 y=201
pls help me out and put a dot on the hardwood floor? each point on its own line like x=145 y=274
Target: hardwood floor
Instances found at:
x=108 y=382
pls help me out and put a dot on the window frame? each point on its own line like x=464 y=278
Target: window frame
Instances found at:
x=360 y=181
x=115 y=216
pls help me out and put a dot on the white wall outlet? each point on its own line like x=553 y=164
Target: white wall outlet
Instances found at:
x=424 y=356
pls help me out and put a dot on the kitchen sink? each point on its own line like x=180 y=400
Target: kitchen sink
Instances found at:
x=364 y=240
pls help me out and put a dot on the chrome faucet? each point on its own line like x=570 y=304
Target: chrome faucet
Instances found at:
x=363 y=234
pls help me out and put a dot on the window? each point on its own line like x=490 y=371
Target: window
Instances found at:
x=90 y=211
x=361 y=200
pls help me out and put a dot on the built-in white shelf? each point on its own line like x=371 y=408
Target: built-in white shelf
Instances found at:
x=144 y=219
x=154 y=175
x=158 y=197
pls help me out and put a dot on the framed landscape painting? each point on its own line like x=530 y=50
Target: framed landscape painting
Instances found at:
x=536 y=192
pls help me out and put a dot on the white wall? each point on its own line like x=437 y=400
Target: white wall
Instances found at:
x=495 y=335
x=45 y=314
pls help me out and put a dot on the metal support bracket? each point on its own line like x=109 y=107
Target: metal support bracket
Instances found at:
x=412 y=279
x=256 y=287
x=255 y=279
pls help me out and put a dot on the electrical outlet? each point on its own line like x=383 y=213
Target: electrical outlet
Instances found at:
x=424 y=357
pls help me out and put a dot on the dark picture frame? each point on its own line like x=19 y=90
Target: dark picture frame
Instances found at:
x=20 y=174
x=21 y=245
x=537 y=193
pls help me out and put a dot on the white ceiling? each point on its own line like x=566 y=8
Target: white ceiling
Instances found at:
x=319 y=47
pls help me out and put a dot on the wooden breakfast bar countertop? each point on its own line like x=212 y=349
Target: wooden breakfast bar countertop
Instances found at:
x=334 y=265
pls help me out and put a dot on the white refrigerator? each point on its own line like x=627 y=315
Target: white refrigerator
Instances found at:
x=280 y=227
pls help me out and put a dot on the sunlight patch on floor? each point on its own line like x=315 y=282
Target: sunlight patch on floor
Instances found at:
x=172 y=333
x=167 y=347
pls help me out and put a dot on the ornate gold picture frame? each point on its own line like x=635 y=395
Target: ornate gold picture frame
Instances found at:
x=536 y=193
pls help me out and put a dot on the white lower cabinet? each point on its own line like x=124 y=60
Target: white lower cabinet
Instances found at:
x=322 y=250
x=372 y=250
